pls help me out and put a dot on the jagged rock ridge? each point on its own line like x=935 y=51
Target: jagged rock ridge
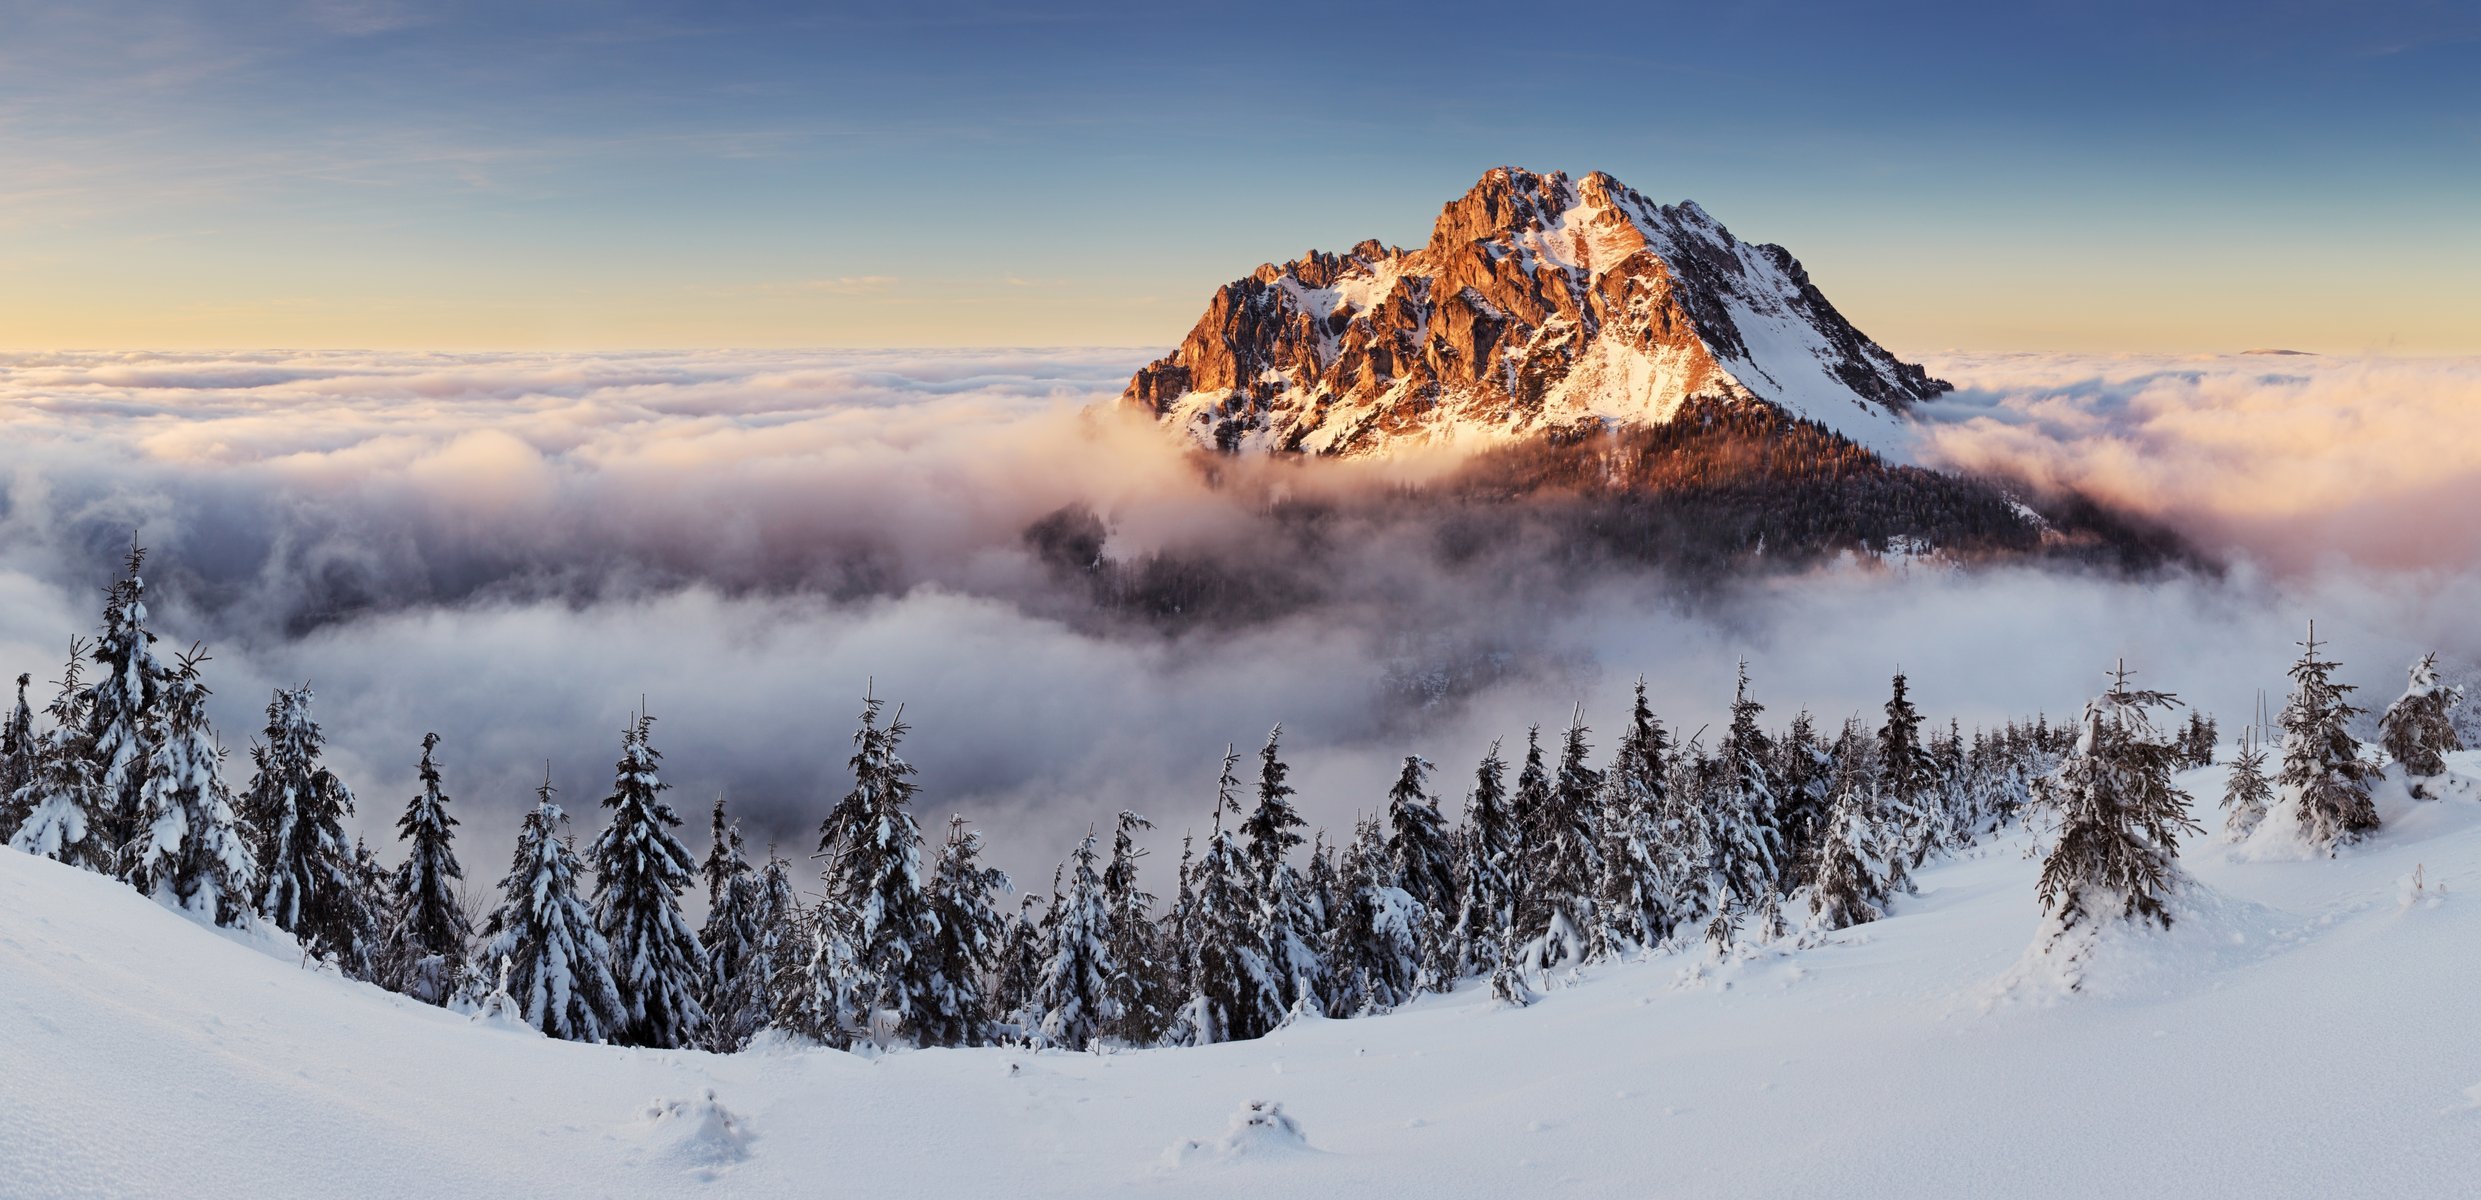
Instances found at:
x=1538 y=306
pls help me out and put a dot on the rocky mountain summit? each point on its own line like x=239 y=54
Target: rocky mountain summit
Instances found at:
x=1540 y=305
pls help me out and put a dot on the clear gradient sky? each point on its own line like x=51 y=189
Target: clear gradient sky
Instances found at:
x=2104 y=176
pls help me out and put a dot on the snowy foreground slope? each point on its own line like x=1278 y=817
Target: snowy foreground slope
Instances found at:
x=2309 y=1031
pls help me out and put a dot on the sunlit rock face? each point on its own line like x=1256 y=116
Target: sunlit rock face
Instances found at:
x=1539 y=305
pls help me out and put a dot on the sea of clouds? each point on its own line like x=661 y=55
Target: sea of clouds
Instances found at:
x=515 y=549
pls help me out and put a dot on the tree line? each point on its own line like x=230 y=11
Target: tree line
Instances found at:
x=1560 y=858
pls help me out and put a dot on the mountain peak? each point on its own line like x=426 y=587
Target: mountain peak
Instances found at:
x=1539 y=304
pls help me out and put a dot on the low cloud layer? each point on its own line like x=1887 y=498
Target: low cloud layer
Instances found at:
x=513 y=549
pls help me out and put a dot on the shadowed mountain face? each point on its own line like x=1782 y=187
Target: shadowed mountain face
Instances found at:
x=1540 y=305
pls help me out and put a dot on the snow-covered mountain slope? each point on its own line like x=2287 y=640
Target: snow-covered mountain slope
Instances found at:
x=2309 y=1033
x=1539 y=304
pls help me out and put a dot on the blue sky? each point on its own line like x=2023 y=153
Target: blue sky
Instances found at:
x=2088 y=176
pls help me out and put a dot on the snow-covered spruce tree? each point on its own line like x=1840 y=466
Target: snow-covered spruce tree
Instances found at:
x=124 y=715
x=1018 y=978
x=1564 y=852
x=1176 y=936
x=1529 y=808
x=2246 y=794
x=1853 y=866
x=640 y=868
x=60 y=804
x=2323 y=775
x=1374 y=950
x=1744 y=840
x=1141 y=992
x=557 y=965
x=1232 y=995
x=2415 y=730
x=768 y=928
x=1421 y=859
x=1632 y=891
x=1320 y=881
x=1906 y=776
x=1282 y=928
x=1485 y=917
x=2120 y=816
x=1078 y=973
x=2197 y=739
x=428 y=932
x=16 y=759
x=873 y=849
x=190 y=853
x=971 y=935
x=822 y=994
x=730 y=931
x=296 y=809
x=1803 y=771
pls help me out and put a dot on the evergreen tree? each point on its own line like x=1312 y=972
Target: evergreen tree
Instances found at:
x=124 y=715
x=1744 y=840
x=2415 y=730
x=731 y=932
x=296 y=807
x=427 y=938
x=1565 y=854
x=1485 y=918
x=1530 y=809
x=1232 y=995
x=17 y=754
x=191 y=854
x=1906 y=775
x=640 y=868
x=2323 y=774
x=971 y=936
x=2246 y=794
x=1633 y=889
x=60 y=805
x=544 y=940
x=768 y=932
x=1016 y=991
x=1373 y=952
x=1421 y=860
x=2119 y=815
x=1141 y=991
x=1282 y=930
x=1078 y=974
x=874 y=877
x=1804 y=771
x=1854 y=868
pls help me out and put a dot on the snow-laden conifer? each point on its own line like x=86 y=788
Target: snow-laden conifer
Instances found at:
x=2120 y=816
x=731 y=897
x=1853 y=869
x=60 y=805
x=1017 y=978
x=1141 y=992
x=1078 y=974
x=1232 y=995
x=2247 y=794
x=1485 y=918
x=1804 y=772
x=768 y=928
x=190 y=852
x=640 y=869
x=429 y=931
x=17 y=750
x=1421 y=859
x=125 y=717
x=296 y=808
x=1743 y=837
x=1906 y=776
x=1373 y=952
x=557 y=966
x=971 y=936
x=1283 y=930
x=1564 y=852
x=2323 y=778
x=2415 y=731
x=873 y=848
x=1633 y=890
